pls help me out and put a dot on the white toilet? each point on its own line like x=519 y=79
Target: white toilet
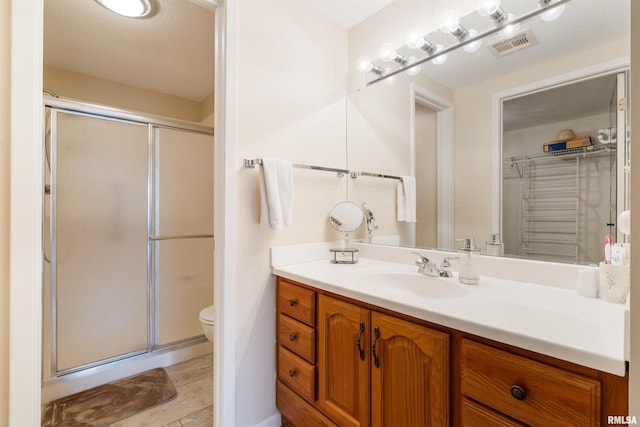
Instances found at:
x=207 y=317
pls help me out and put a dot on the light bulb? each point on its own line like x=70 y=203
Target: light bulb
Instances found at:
x=440 y=59
x=553 y=14
x=451 y=21
x=415 y=69
x=389 y=80
x=472 y=47
x=414 y=38
x=364 y=64
x=387 y=52
x=493 y=10
x=511 y=29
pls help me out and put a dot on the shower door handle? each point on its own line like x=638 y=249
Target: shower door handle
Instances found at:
x=181 y=236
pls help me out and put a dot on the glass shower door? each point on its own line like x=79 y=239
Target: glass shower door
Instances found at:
x=99 y=239
x=183 y=232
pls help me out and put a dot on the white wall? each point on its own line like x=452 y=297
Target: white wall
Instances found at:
x=5 y=86
x=634 y=375
x=291 y=82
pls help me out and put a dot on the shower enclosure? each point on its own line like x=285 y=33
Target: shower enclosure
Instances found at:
x=128 y=234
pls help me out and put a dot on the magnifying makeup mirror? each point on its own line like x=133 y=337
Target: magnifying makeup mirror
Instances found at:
x=345 y=217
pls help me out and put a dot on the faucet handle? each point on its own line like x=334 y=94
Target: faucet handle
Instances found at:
x=421 y=262
x=446 y=261
x=423 y=257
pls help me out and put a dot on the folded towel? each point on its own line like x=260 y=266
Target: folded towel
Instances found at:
x=276 y=193
x=406 y=199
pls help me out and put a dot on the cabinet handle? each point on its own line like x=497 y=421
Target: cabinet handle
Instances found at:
x=292 y=373
x=292 y=337
x=292 y=302
x=376 y=335
x=518 y=392
x=362 y=355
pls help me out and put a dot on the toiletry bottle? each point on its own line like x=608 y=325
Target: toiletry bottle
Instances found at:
x=468 y=268
x=494 y=246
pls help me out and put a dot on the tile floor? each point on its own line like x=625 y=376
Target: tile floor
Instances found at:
x=193 y=407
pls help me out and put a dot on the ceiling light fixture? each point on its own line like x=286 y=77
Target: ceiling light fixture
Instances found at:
x=553 y=13
x=452 y=26
x=388 y=53
x=365 y=65
x=128 y=8
x=415 y=40
x=494 y=10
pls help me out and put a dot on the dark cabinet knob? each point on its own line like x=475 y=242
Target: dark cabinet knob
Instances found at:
x=292 y=302
x=292 y=337
x=518 y=392
x=292 y=373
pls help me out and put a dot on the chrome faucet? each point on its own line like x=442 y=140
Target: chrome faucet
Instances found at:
x=371 y=221
x=426 y=267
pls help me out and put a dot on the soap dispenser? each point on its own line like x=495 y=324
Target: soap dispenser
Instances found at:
x=494 y=246
x=468 y=267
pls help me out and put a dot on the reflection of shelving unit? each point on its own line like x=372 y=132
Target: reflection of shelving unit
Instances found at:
x=552 y=215
x=550 y=207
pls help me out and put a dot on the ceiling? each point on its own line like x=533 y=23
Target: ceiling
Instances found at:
x=171 y=51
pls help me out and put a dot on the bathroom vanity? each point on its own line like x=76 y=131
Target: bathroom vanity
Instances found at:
x=353 y=351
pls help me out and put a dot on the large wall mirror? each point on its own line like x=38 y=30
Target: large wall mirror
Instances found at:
x=481 y=132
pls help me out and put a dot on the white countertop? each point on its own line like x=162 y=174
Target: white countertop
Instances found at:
x=554 y=321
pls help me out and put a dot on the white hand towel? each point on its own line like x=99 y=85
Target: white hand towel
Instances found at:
x=406 y=199
x=276 y=193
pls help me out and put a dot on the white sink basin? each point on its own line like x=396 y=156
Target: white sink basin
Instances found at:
x=411 y=283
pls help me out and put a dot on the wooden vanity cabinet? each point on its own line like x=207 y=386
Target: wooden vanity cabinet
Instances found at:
x=345 y=363
x=372 y=369
x=375 y=369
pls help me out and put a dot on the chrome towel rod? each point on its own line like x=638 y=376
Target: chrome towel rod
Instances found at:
x=181 y=236
x=376 y=175
x=253 y=162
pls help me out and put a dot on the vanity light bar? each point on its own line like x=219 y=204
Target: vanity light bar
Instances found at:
x=472 y=39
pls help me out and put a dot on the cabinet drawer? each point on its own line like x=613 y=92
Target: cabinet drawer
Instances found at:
x=297 y=373
x=544 y=395
x=474 y=415
x=296 y=411
x=297 y=302
x=297 y=337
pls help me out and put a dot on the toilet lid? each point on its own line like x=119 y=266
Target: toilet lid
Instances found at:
x=208 y=314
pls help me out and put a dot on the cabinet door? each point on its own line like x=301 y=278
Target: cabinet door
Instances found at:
x=409 y=374
x=343 y=371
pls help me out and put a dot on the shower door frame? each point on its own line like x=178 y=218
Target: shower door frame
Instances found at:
x=152 y=123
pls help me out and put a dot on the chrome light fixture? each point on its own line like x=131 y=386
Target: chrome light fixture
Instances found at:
x=389 y=54
x=494 y=10
x=553 y=13
x=365 y=65
x=452 y=26
x=128 y=8
x=415 y=40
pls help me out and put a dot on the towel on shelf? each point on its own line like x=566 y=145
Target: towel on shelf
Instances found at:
x=406 y=199
x=276 y=193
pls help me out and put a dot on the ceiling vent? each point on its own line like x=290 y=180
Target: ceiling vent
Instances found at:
x=513 y=44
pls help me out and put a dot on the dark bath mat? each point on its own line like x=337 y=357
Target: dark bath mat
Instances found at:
x=110 y=402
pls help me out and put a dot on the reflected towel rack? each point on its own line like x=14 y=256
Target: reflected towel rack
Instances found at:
x=181 y=236
x=253 y=162
x=376 y=175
